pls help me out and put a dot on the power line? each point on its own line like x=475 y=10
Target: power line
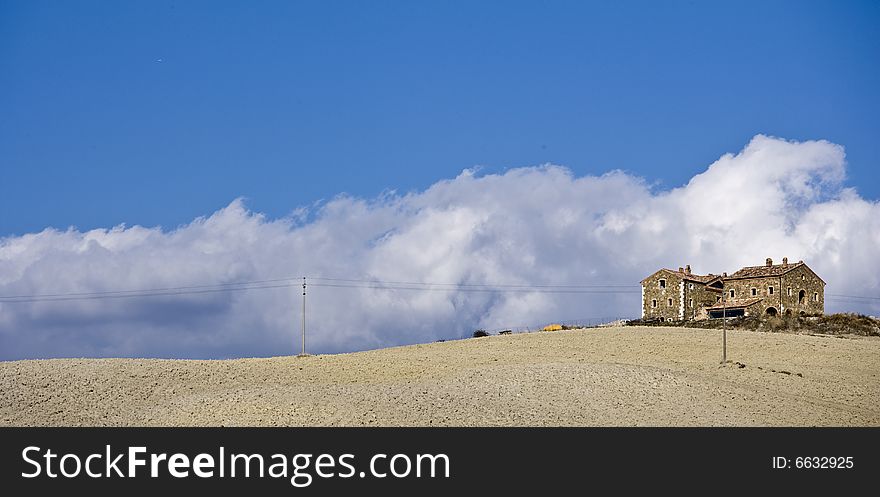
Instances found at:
x=367 y=284
x=475 y=290
x=60 y=298
x=492 y=285
x=113 y=292
x=853 y=297
x=290 y=282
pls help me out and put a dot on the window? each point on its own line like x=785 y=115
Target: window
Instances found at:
x=691 y=302
x=670 y=302
x=803 y=277
x=770 y=290
x=654 y=303
x=815 y=297
x=801 y=296
x=717 y=299
x=690 y=286
x=754 y=292
x=789 y=291
x=662 y=283
x=732 y=293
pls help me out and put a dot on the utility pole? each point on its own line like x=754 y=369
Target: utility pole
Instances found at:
x=304 y=318
x=723 y=325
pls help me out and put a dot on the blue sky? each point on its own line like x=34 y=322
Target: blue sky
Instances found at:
x=207 y=144
x=154 y=113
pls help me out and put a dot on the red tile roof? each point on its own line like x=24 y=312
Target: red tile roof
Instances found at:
x=764 y=271
x=699 y=278
x=744 y=273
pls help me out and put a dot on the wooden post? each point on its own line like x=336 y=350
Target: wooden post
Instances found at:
x=723 y=324
x=304 y=318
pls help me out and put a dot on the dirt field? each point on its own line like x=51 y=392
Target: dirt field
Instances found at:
x=595 y=377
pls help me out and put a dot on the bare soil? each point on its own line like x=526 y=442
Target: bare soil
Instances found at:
x=627 y=376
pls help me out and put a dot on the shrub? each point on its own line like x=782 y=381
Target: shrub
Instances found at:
x=480 y=333
x=776 y=323
x=845 y=323
x=645 y=322
x=829 y=324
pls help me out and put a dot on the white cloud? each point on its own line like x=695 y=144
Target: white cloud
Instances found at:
x=537 y=225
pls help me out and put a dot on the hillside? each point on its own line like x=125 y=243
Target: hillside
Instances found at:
x=628 y=376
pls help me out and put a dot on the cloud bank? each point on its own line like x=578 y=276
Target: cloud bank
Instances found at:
x=527 y=226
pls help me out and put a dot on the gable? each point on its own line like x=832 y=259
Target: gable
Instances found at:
x=656 y=274
x=696 y=278
x=810 y=270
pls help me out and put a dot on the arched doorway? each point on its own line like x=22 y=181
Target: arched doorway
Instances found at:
x=771 y=311
x=788 y=312
x=801 y=296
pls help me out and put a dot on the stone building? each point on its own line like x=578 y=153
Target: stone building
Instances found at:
x=770 y=289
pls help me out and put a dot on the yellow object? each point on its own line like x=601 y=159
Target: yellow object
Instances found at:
x=552 y=327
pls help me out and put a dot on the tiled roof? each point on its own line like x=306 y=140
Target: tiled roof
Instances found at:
x=744 y=273
x=764 y=271
x=700 y=278
x=734 y=303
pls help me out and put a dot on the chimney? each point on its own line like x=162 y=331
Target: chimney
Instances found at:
x=785 y=261
x=687 y=269
x=769 y=262
x=724 y=274
x=680 y=269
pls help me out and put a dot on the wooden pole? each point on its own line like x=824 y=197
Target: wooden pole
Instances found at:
x=304 y=318
x=723 y=325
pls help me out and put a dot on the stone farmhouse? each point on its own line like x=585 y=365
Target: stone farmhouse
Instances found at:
x=768 y=290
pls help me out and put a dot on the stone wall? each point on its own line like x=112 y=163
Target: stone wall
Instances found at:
x=681 y=298
x=755 y=309
x=780 y=300
x=652 y=291
x=697 y=298
x=743 y=290
x=803 y=279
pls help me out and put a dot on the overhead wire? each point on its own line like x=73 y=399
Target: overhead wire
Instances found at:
x=355 y=283
x=296 y=281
